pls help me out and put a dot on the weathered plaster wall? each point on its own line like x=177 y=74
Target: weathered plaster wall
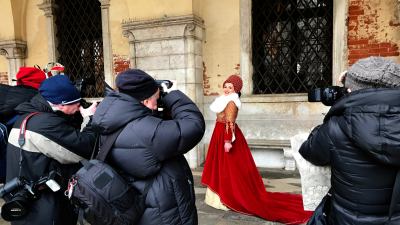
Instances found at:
x=221 y=49
x=6 y=33
x=37 y=52
x=374 y=29
x=6 y=18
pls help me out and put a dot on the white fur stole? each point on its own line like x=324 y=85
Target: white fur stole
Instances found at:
x=219 y=104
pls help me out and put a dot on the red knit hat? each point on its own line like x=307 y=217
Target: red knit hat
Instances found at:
x=236 y=81
x=30 y=76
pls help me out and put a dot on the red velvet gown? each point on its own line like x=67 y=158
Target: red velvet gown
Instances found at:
x=234 y=177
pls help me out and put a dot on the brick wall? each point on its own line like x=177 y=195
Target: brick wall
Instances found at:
x=121 y=63
x=3 y=77
x=369 y=34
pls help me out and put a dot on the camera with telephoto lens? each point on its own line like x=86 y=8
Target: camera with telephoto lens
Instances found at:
x=328 y=95
x=19 y=194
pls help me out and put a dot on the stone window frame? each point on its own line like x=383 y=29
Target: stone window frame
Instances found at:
x=339 y=53
x=48 y=7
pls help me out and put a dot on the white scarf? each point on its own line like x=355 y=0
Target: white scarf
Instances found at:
x=219 y=104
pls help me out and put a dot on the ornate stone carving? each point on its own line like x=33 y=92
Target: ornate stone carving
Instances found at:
x=165 y=28
x=47 y=6
x=105 y=4
x=15 y=52
x=13 y=49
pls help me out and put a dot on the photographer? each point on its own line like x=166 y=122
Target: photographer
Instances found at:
x=360 y=140
x=28 y=82
x=149 y=150
x=53 y=142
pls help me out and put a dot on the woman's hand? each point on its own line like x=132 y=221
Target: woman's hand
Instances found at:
x=227 y=146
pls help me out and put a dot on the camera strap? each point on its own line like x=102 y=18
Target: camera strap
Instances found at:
x=21 y=138
x=107 y=144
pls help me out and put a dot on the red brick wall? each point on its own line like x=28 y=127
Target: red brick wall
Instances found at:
x=121 y=63
x=367 y=33
x=3 y=77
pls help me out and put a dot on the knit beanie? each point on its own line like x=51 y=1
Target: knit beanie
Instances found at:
x=30 y=76
x=136 y=83
x=59 y=90
x=373 y=72
x=236 y=81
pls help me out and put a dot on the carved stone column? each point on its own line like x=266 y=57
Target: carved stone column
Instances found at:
x=48 y=8
x=107 y=48
x=15 y=52
x=171 y=48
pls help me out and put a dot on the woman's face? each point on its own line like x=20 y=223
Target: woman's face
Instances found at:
x=228 y=89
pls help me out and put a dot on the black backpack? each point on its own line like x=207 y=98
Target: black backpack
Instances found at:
x=101 y=195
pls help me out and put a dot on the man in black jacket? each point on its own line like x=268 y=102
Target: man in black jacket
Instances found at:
x=28 y=82
x=149 y=150
x=53 y=142
x=360 y=140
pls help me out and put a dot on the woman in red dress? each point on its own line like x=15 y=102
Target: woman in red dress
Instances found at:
x=230 y=174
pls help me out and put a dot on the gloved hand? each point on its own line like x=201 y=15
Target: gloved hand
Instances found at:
x=168 y=90
x=89 y=111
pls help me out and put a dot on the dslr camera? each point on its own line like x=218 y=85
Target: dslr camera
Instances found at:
x=328 y=95
x=19 y=194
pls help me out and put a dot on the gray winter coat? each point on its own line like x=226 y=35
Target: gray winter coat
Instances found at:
x=149 y=150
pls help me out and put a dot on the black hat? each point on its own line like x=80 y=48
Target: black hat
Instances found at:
x=136 y=83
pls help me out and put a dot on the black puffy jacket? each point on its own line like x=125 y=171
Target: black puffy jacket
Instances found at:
x=150 y=151
x=11 y=96
x=360 y=140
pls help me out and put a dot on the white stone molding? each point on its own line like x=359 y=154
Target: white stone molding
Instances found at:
x=15 y=52
x=246 y=68
x=107 y=47
x=48 y=8
x=170 y=48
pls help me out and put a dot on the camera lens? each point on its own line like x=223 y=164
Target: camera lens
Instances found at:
x=17 y=207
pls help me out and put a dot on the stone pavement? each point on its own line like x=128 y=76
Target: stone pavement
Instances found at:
x=274 y=180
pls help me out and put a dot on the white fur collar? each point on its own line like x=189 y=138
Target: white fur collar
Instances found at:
x=219 y=104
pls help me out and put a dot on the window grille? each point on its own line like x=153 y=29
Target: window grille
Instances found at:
x=292 y=45
x=80 y=44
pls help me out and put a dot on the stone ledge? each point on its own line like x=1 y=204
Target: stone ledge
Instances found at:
x=268 y=144
x=283 y=145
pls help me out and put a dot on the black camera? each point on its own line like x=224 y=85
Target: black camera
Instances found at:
x=160 y=103
x=167 y=83
x=19 y=193
x=328 y=95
